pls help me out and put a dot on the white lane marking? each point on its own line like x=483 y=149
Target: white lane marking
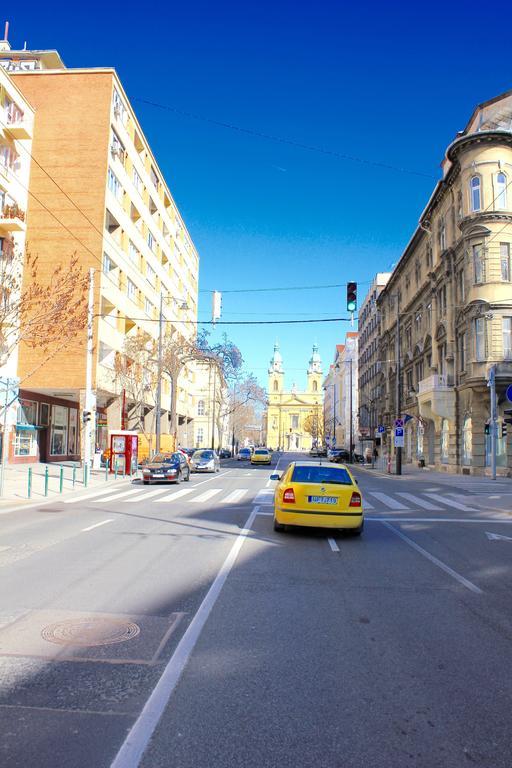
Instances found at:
x=497 y=537
x=88 y=496
x=388 y=501
x=264 y=496
x=420 y=502
x=146 y=495
x=446 y=568
x=366 y=504
x=266 y=514
x=135 y=743
x=206 y=495
x=450 y=502
x=175 y=495
x=97 y=525
x=333 y=545
x=235 y=496
x=131 y=492
x=504 y=520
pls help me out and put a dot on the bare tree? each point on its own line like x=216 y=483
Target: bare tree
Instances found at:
x=42 y=314
x=136 y=374
x=313 y=425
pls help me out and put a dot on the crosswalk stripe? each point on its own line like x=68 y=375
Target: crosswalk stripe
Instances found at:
x=146 y=495
x=265 y=496
x=206 y=495
x=175 y=495
x=421 y=502
x=87 y=496
x=235 y=496
x=450 y=502
x=117 y=496
x=367 y=505
x=388 y=501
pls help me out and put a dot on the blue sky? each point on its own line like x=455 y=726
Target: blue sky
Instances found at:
x=381 y=82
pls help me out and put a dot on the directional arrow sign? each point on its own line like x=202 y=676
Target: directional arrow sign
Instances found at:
x=497 y=537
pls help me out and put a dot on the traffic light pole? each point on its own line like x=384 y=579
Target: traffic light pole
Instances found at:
x=491 y=383
x=398 y=388
x=89 y=420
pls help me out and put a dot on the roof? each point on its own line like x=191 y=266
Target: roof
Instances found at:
x=352 y=334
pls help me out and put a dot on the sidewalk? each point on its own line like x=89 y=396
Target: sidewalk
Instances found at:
x=16 y=482
x=412 y=470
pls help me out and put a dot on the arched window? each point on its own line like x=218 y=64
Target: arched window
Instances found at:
x=501 y=190
x=276 y=385
x=476 y=193
x=200 y=408
x=315 y=386
x=467 y=441
x=445 y=437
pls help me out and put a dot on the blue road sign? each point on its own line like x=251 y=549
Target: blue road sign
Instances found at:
x=399 y=431
x=381 y=428
x=509 y=393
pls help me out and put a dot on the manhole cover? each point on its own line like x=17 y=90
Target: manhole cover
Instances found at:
x=90 y=631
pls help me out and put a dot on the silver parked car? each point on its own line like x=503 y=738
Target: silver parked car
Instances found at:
x=205 y=460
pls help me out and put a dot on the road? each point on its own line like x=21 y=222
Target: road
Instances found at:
x=171 y=626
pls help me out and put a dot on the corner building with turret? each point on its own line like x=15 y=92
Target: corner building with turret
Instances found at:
x=294 y=418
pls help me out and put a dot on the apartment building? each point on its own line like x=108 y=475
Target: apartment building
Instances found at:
x=99 y=193
x=210 y=423
x=446 y=310
x=369 y=362
x=16 y=131
x=332 y=387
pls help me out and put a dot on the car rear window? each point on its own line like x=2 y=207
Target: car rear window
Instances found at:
x=203 y=455
x=261 y=453
x=303 y=474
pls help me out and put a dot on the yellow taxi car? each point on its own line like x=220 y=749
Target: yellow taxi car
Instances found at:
x=318 y=495
x=261 y=456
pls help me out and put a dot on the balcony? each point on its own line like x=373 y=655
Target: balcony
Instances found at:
x=12 y=219
x=18 y=126
x=436 y=397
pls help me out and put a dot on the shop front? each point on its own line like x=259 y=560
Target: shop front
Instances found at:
x=47 y=429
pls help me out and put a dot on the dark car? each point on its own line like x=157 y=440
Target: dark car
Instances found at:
x=166 y=467
x=339 y=455
x=225 y=453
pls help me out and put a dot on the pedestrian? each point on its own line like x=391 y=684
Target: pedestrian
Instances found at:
x=375 y=454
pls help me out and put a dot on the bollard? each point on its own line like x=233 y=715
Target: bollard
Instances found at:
x=106 y=469
x=61 y=479
x=115 y=470
x=74 y=474
x=30 y=482
x=85 y=475
x=46 y=481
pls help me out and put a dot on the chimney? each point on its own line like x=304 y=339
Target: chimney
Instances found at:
x=4 y=44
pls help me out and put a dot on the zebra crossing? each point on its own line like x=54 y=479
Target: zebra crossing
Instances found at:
x=376 y=501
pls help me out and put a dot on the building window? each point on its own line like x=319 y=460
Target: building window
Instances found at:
x=27 y=412
x=507 y=338
x=276 y=386
x=8 y=157
x=478 y=263
x=505 y=261
x=73 y=432
x=462 y=292
x=315 y=386
x=137 y=182
x=115 y=185
x=25 y=442
x=133 y=253
x=429 y=255
x=476 y=193
x=294 y=421
x=445 y=441
x=151 y=240
x=501 y=190
x=150 y=274
x=467 y=441
x=131 y=290
x=442 y=234
x=148 y=307
x=44 y=414
x=154 y=178
x=459 y=206
x=199 y=437
x=479 y=339
x=462 y=351
x=59 y=431
x=200 y=408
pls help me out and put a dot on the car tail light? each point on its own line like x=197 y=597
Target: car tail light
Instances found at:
x=355 y=501
x=289 y=496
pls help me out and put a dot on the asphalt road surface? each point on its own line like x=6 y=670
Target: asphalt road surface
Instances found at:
x=171 y=626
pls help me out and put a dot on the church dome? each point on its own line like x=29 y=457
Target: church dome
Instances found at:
x=315 y=363
x=276 y=363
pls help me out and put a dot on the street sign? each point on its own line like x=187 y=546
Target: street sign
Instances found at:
x=399 y=437
x=509 y=393
x=399 y=422
x=381 y=428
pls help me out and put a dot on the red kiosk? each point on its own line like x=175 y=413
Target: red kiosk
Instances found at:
x=124 y=447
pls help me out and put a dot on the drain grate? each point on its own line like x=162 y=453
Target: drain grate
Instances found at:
x=90 y=631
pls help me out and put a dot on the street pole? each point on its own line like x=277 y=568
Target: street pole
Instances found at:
x=4 y=436
x=398 y=391
x=334 y=417
x=491 y=383
x=213 y=410
x=90 y=424
x=350 y=406
x=158 y=404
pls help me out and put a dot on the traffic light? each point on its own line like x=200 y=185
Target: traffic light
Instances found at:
x=503 y=430
x=351 y=297
x=507 y=416
x=86 y=416
x=487 y=429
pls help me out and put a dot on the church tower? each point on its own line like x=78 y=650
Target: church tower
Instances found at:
x=276 y=372
x=315 y=372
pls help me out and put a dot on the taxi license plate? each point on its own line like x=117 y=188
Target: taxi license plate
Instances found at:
x=157 y=474
x=323 y=499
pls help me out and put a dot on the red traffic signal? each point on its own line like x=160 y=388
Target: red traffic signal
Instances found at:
x=351 y=297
